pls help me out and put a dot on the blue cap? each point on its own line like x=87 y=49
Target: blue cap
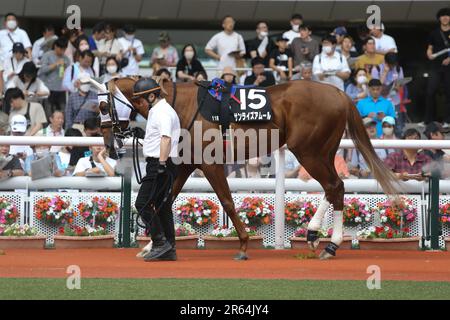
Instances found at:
x=340 y=31
x=389 y=120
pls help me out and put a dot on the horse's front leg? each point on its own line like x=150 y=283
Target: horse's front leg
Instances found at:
x=215 y=174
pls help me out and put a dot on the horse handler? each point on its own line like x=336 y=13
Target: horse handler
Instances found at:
x=154 y=200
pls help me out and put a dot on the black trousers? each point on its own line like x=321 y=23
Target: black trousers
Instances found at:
x=437 y=76
x=161 y=225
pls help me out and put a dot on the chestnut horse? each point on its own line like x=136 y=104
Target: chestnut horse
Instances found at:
x=310 y=118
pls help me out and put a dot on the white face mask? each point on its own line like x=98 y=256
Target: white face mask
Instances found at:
x=189 y=55
x=129 y=37
x=361 y=79
x=11 y=24
x=111 y=69
x=388 y=131
x=85 y=88
x=84 y=47
x=263 y=34
x=327 y=49
x=295 y=27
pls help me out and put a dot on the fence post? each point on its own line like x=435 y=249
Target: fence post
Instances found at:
x=434 y=210
x=125 y=168
x=279 y=198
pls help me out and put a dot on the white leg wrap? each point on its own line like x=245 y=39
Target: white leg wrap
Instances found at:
x=337 y=236
x=148 y=247
x=316 y=221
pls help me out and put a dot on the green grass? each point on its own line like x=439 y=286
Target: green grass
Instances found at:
x=189 y=289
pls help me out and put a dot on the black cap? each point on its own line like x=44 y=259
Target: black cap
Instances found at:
x=281 y=38
x=375 y=83
x=145 y=86
x=18 y=47
x=434 y=127
x=443 y=12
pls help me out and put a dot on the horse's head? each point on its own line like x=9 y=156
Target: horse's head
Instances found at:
x=114 y=129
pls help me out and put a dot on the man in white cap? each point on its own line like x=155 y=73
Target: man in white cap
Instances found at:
x=32 y=111
x=18 y=126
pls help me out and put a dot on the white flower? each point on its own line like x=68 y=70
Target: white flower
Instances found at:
x=358 y=219
x=178 y=211
x=372 y=229
x=199 y=220
x=384 y=219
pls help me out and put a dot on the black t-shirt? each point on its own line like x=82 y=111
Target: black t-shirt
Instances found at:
x=281 y=58
x=253 y=45
x=436 y=39
x=191 y=69
x=14 y=164
x=270 y=80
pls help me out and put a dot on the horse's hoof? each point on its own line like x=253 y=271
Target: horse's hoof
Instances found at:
x=325 y=255
x=241 y=256
x=313 y=245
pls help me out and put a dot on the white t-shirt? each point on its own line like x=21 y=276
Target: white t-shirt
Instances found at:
x=324 y=63
x=132 y=68
x=385 y=43
x=224 y=44
x=291 y=35
x=6 y=43
x=11 y=65
x=162 y=121
x=84 y=163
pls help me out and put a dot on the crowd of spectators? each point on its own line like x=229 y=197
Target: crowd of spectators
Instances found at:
x=42 y=93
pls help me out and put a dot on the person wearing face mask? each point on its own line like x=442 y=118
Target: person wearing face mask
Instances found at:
x=188 y=64
x=262 y=45
x=44 y=44
x=330 y=66
x=294 y=32
x=357 y=89
x=112 y=70
x=132 y=51
x=159 y=147
x=82 y=105
x=407 y=164
x=13 y=34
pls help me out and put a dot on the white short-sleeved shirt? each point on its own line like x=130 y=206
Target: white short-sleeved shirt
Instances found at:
x=224 y=44
x=132 y=68
x=385 y=43
x=11 y=65
x=324 y=63
x=291 y=35
x=84 y=163
x=162 y=121
x=6 y=44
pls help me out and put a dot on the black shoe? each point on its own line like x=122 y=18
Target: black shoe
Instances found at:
x=158 y=251
x=169 y=256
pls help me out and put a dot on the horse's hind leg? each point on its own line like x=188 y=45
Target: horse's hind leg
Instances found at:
x=216 y=176
x=324 y=172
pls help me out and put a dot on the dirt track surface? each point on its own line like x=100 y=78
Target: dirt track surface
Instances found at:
x=263 y=264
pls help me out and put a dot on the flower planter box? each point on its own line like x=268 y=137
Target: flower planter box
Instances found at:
x=186 y=242
x=447 y=243
x=211 y=242
x=301 y=243
x=27 y=242
x=68 y=242
x=389 y=244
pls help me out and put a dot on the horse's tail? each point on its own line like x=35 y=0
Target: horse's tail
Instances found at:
x=358 y=134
